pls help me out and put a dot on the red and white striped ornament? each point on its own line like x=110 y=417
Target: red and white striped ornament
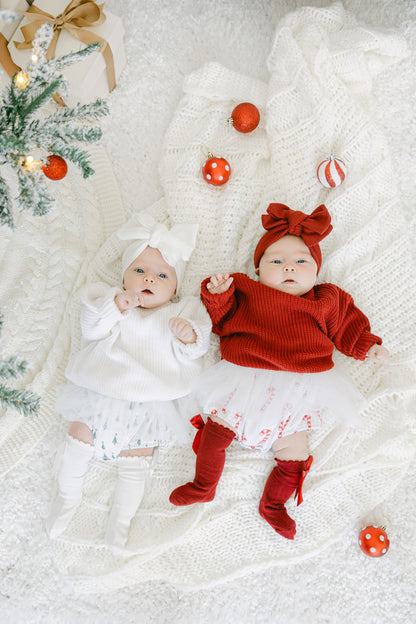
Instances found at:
x=331 y=172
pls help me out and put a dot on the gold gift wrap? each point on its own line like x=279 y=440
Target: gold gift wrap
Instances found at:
x=76 y=24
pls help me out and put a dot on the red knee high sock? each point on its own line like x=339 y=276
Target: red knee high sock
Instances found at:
x=283 y=480
x=210 y=461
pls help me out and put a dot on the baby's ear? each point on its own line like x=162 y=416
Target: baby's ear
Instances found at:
x=256 y=271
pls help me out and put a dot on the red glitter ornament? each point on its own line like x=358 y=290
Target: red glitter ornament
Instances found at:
x=245 y=117
x=56 y=168
x=216 y=171
x=373 y=541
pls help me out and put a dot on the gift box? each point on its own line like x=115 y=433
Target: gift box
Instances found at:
x=94 y=76
x=7 y=29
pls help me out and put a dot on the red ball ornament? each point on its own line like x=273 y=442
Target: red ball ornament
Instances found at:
x=245 y=117
x=373 y=541
x=331 y=172
x=216 y=171
x=56 y=168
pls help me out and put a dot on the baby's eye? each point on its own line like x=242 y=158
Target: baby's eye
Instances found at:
x=139 y=270
x=162 y=275
x=277 y=262
x=301 y=261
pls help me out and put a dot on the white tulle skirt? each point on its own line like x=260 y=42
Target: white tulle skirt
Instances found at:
x=264 y=406
x=118 y=425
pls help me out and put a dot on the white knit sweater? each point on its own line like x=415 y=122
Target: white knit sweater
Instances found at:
x=133 y=355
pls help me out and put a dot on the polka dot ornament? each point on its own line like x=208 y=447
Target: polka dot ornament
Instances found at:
x=331 y=172
x=216 y=171
x=374 y=541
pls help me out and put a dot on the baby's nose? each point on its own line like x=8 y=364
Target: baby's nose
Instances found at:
x=149 y=278
x=289 y=268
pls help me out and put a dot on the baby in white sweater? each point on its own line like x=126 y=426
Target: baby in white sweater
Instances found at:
x=140 y=352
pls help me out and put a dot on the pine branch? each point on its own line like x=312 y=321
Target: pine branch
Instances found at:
x=23 y=133
x=33 y=194
x=88 y=112
x=6 y=215
x=36 y=102
x=23 y=401
x=74 y=57
x=76 y=155
x=27 y=403
x=81 y=133
x=12 y=368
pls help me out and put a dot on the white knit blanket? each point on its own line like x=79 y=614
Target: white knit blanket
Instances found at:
x=317 y=102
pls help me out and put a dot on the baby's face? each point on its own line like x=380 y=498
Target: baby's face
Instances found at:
x=151 y=276
x=288 y=265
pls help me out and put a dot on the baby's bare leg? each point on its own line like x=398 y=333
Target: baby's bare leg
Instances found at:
x=81 y=432
x=292 y=447
x=222 y=422
x=139 y=452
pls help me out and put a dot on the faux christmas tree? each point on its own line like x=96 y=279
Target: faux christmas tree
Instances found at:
x=23 y=401
x=30 y=133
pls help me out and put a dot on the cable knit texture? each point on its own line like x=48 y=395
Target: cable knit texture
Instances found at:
x=316 y=101
x=305 y=328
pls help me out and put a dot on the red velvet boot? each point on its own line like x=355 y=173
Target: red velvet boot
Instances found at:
x=210 y=461
x=283 y=480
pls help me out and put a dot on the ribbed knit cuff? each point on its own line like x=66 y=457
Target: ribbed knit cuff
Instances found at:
x=364 y=343
x=195 y=349
x=216 y=301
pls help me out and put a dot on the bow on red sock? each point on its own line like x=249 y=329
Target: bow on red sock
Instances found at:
x=306 y=467
x=198 y=423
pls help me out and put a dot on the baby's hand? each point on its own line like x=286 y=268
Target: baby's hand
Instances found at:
x=127 y=300
x=219 y=283
x=378 y=353
x=183 y=330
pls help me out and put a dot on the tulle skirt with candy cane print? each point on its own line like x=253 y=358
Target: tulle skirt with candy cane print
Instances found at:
x=265 y=405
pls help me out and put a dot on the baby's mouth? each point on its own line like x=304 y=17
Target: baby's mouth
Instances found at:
x=289 y=281
x=146 y=291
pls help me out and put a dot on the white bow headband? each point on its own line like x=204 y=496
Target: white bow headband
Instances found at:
x=176 y=245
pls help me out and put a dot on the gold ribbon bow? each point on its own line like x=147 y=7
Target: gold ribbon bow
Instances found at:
x=77 y=15
x=5 y=58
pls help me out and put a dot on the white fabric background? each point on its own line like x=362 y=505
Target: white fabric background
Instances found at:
x=164 y=43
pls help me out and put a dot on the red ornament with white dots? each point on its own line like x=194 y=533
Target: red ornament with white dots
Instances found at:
x=245 y=117
x=374 y=541
x=216 y=171
x=56 y=167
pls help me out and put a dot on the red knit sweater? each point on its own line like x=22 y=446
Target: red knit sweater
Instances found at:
x=261 y=327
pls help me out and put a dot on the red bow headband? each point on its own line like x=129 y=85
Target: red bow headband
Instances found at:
x=281 y=220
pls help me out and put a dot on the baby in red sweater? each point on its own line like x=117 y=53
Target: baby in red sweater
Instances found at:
x=276 y=376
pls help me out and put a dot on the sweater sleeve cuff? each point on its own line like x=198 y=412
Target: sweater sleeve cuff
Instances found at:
x=196 y=349
x=99 y=299
x=364 y=343
x=219 y=300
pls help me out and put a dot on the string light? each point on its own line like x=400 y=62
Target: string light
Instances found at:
x=21 y=79
x=34 y=58
x=30 y=164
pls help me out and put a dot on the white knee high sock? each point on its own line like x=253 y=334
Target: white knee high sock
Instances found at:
x=71 y=475
x=132 y=476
